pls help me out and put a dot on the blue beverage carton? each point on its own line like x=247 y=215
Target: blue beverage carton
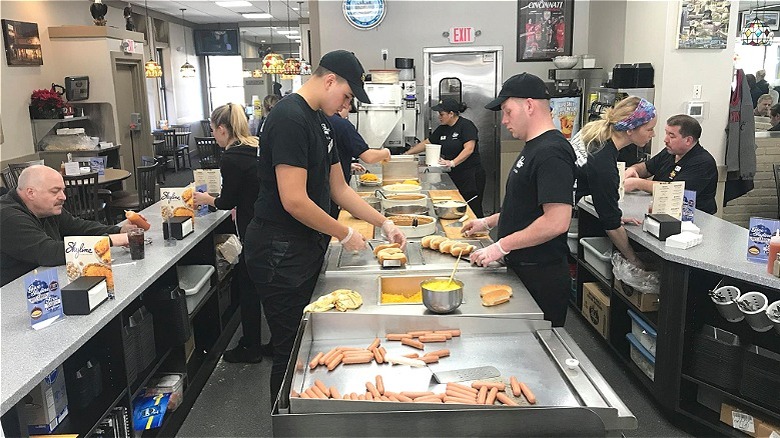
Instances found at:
x=44 y=302
x=149 y=411
x=760 y=231
x=689 y=205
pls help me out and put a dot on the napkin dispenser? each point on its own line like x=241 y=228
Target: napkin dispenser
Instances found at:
x=83 y=295
x=661 y=225
x=180 y=227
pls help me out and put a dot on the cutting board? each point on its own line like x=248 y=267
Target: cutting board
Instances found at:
x=359 y=225
x=447 y=195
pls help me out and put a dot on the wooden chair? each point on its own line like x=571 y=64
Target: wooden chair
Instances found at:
x=9 y=181
x=16 y=170
x=170 y=147
x=183 y=133
x=205 y=125
x=155 y=161
x=82 y=197
x=209 y=152
x=147 y=192
x=776 y=169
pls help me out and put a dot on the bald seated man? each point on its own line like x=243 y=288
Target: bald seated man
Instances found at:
x=33 y=224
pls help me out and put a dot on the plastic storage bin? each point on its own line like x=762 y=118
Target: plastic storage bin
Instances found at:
x=598 y=254
x=194 y=279
x=642 y=331
x=172 y=383
x=641 y=357
x=571 y=236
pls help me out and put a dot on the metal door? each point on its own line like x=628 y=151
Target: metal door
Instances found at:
x=473 y=76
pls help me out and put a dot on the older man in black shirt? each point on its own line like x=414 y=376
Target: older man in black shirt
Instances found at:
x=684 y=159
x=34 y=224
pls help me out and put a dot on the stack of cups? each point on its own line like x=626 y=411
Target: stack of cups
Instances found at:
x=725 y=299
x=754 y=306
x=432 y=154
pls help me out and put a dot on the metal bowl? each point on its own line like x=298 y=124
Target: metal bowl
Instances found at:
x=442 y=301
x=374 y=202
x=449 y=209
x=406 y=209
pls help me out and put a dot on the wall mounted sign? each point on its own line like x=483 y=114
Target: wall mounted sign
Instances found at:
x=364 y=14
x=461 y=35
x=544 y=29
x=704 y=24
x=22 y=43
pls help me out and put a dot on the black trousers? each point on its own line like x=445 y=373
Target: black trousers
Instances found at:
x=550 y=286
x=250 y=307
x=284 y=268
x=470 y=182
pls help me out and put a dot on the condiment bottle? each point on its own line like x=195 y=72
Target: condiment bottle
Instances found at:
x=776 y=270
x=774 y=249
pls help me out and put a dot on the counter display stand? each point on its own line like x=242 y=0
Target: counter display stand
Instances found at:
x=127 y=361
x=685 y=308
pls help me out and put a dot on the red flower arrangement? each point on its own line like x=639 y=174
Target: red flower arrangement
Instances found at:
x=46 y=100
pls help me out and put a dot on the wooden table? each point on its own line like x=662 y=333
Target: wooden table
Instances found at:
x=113 y=175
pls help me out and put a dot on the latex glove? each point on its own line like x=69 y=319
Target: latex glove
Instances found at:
x=631 y=173
x=446 y=163
x=476 y=226
x=353 y=241
x=393 y=234
x=357 y=168
x=484 y=256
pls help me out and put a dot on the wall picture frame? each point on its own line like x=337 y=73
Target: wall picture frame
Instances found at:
x=703 y=24
x=22 y=43
x=544 y=29
x=771 y=18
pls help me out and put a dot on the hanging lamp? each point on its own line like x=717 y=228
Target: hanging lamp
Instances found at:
x=756 y=33
x=305 y=66
x=272 y=62
x=187 y=70
x=292 y=66
x=151 y=68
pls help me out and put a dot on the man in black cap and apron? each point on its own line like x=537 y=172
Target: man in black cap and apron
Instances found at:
x=299 y=171
x=536 y=211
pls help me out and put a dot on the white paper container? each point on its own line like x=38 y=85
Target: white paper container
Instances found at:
x=757 y=318
x=729 y=308
x=432 y=154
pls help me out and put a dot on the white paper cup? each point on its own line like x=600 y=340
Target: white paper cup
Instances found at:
x=757 y=317
x=728 y=307
x=432 y=154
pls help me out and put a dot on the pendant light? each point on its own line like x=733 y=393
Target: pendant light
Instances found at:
x=151 y=69
x=756 y=32
x=292 y=66
x=187 y=70
x=305 y=66
x=273 y=62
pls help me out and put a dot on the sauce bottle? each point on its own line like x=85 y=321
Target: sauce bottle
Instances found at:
x=776 y=271
x=774 y=249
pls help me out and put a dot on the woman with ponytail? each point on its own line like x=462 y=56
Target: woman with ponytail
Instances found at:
x=240 y=186
x=631 y=121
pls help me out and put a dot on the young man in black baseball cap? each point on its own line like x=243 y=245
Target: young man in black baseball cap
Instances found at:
x=300 y=175
x=536 y=211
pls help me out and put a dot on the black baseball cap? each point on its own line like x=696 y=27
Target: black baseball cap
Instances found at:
x=523 y=85
x=448 y=104
x=346 y=65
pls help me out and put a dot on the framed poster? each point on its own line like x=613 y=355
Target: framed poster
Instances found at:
x=22 y=43
x=770 y=18
x=544 y=29
x=704 y=24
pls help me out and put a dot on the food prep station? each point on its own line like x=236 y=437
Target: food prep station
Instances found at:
x=572 y=399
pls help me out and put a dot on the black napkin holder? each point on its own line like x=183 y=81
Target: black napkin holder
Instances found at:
x=662 y=225
x=180 y=227
x=83 y=295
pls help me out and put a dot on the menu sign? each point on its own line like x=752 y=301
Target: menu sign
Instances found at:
x=760 y=231
x=177 y=201
x=212 y=178
x=44 y=303
x=668 y=198
x=89 y=256
x=689 y=205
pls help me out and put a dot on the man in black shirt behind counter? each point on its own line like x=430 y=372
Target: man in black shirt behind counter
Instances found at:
x=536 y=211
x=684 y=159
x=300 y=172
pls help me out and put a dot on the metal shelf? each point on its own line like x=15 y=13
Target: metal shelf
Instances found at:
x=748 y=404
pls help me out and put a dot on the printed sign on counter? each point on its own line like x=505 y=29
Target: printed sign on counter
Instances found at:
x=89 y=256
x=44 y=303
x=689 y=205
x=759 y=233
x=668 y=198
x=177 y=201
x=212 y=178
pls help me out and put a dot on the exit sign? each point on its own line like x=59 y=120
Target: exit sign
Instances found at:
x=460 y=35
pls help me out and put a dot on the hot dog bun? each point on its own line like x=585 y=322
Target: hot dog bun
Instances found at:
x=391 y=254
x=436 y=241
x=495 y=297
x=491 y=287
x=445 y=246
x=426 y=241
x=385 y=246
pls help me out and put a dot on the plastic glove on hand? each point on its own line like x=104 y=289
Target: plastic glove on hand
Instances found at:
x=353 y=241
x=474 y=227
x=485 y=256
x=393 y=235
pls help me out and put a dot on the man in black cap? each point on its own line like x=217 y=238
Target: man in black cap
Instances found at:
x=536 y=211
x=299 y=172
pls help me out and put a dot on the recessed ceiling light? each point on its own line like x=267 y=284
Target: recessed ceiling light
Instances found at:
x=234 y=4
x=287 y=32
x=262 y=41
x=256 y=15
x=295 y=9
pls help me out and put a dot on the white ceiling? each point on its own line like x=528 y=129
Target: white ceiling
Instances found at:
x=207 y=11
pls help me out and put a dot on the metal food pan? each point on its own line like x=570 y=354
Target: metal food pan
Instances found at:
x=528 y=349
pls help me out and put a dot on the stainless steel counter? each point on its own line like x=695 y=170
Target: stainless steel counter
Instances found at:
x=567 y=399
x=430 y=179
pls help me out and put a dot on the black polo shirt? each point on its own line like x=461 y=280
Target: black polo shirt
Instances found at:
x=452 y=138
x=697 y=168
x=542 y=174
x=599 y=178
x=348 y=141
x=298 y=136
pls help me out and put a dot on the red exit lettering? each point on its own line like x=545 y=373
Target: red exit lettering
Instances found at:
x=459 y=35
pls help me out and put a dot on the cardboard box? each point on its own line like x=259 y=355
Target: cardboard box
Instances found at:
x=747 y=423
x=644 y=302
x=46 y=405
x=595 y=307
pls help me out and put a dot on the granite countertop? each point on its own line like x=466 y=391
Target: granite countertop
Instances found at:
x=27 y=355
x=723 y=251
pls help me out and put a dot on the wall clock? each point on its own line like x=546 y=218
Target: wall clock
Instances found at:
x=364 y=14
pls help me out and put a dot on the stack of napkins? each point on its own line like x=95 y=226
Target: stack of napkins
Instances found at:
x=684 y=240
x=690 y=227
